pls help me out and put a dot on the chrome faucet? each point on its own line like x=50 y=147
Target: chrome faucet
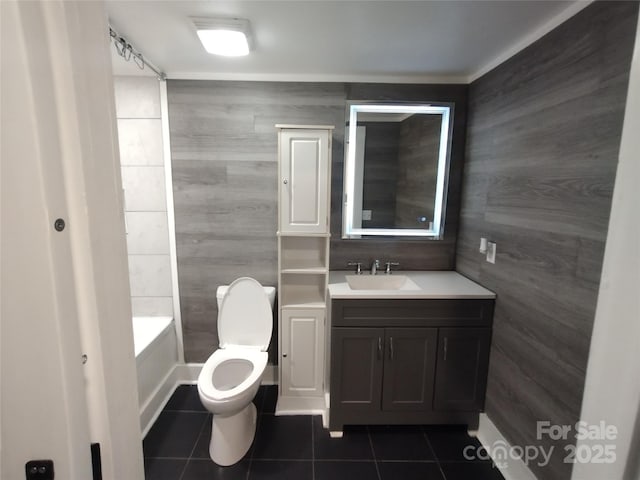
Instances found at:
x=358 y=266
x=375 y=265
x=389 y=265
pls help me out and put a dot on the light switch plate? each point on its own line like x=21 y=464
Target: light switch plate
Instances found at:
x=483 y=245
x=491 y=252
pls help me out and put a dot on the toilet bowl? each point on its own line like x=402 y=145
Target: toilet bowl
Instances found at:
x=230 y=378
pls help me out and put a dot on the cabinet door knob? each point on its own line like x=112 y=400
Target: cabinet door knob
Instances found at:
x=284 y=355
x=285 y=181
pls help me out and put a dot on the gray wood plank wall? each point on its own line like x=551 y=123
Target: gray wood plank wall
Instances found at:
x=379 y=192
x=417 y=170
x=224 y=158
x=224 y=149
x=542 y=148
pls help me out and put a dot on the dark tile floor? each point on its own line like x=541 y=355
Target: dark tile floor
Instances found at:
x=298 y=448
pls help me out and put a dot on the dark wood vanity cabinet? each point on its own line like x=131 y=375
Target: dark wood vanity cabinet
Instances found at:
x=384 y=368
x=407 y=378
x=356 y=385
x=461 y=368
x=408 y=361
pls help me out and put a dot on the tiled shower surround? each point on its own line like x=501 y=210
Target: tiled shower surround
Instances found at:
x=143 y=180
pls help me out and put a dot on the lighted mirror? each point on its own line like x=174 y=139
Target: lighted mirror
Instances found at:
x=396 y=169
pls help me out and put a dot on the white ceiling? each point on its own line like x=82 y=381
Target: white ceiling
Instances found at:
x=339 y=40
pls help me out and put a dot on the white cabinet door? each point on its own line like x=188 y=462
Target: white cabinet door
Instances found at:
x=304 y=182
x=302 y=352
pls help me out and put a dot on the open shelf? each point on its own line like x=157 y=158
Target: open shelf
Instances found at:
x=305 y=306
x=310 y=270
x=303 y=289
x=302 y=254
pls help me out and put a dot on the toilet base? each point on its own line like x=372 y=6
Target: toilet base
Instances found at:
x=232 y=436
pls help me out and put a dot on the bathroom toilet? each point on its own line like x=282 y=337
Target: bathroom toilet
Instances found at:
x=231 y=376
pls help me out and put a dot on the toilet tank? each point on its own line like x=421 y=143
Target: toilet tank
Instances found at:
x=222 y=291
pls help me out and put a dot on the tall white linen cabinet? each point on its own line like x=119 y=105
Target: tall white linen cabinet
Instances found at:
x=304 y=167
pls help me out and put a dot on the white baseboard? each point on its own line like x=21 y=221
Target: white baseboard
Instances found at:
x=270 y=376
x=511 y=468
x=187 y=373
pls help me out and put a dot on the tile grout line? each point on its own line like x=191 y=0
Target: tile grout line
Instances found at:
x=299 y=460
x=355 y=460
x=259 y=413
x=373 y=451
x=313 y=460
x=433 y=452
x=183 y=411
x=204 y=424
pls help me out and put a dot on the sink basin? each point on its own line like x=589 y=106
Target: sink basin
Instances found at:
x=381 y=282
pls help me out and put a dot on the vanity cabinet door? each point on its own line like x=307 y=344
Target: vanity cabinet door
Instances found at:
x=356 y=369
x=462 y=364
x=302 y=352
x=304 y=181
x=409 y=368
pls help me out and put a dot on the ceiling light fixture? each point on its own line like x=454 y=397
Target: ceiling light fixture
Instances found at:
x=230 y=37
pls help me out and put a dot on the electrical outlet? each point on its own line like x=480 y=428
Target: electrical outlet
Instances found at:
x=366 y=214
x=39 y=470
x=491 y=252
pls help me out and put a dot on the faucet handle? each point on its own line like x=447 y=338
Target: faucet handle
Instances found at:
x=389 y=265
x=358 y=266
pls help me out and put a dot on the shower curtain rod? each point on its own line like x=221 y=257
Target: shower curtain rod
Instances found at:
x=128 y=52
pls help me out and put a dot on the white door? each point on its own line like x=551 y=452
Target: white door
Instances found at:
x=302 y=355
x=64 y=287
x=304 y=182
x=44 y=412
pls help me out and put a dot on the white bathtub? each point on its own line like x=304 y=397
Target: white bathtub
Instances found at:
x=156 y=350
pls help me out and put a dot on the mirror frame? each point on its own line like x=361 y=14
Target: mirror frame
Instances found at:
x=444 y=157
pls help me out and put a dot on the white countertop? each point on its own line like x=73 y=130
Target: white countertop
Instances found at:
x=433 y=284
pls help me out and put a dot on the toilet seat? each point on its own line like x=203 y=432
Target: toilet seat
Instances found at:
x=246 y=317
x=257 y=358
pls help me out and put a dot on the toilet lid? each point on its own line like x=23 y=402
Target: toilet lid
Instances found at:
x=245 y=315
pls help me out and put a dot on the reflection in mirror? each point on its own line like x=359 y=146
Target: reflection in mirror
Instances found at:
x=396 y=168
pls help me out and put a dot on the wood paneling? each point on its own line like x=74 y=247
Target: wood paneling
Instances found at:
x=380 y=173
x=224 y=157
x=224 y=160
x=542 y=148
x=417 y=170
